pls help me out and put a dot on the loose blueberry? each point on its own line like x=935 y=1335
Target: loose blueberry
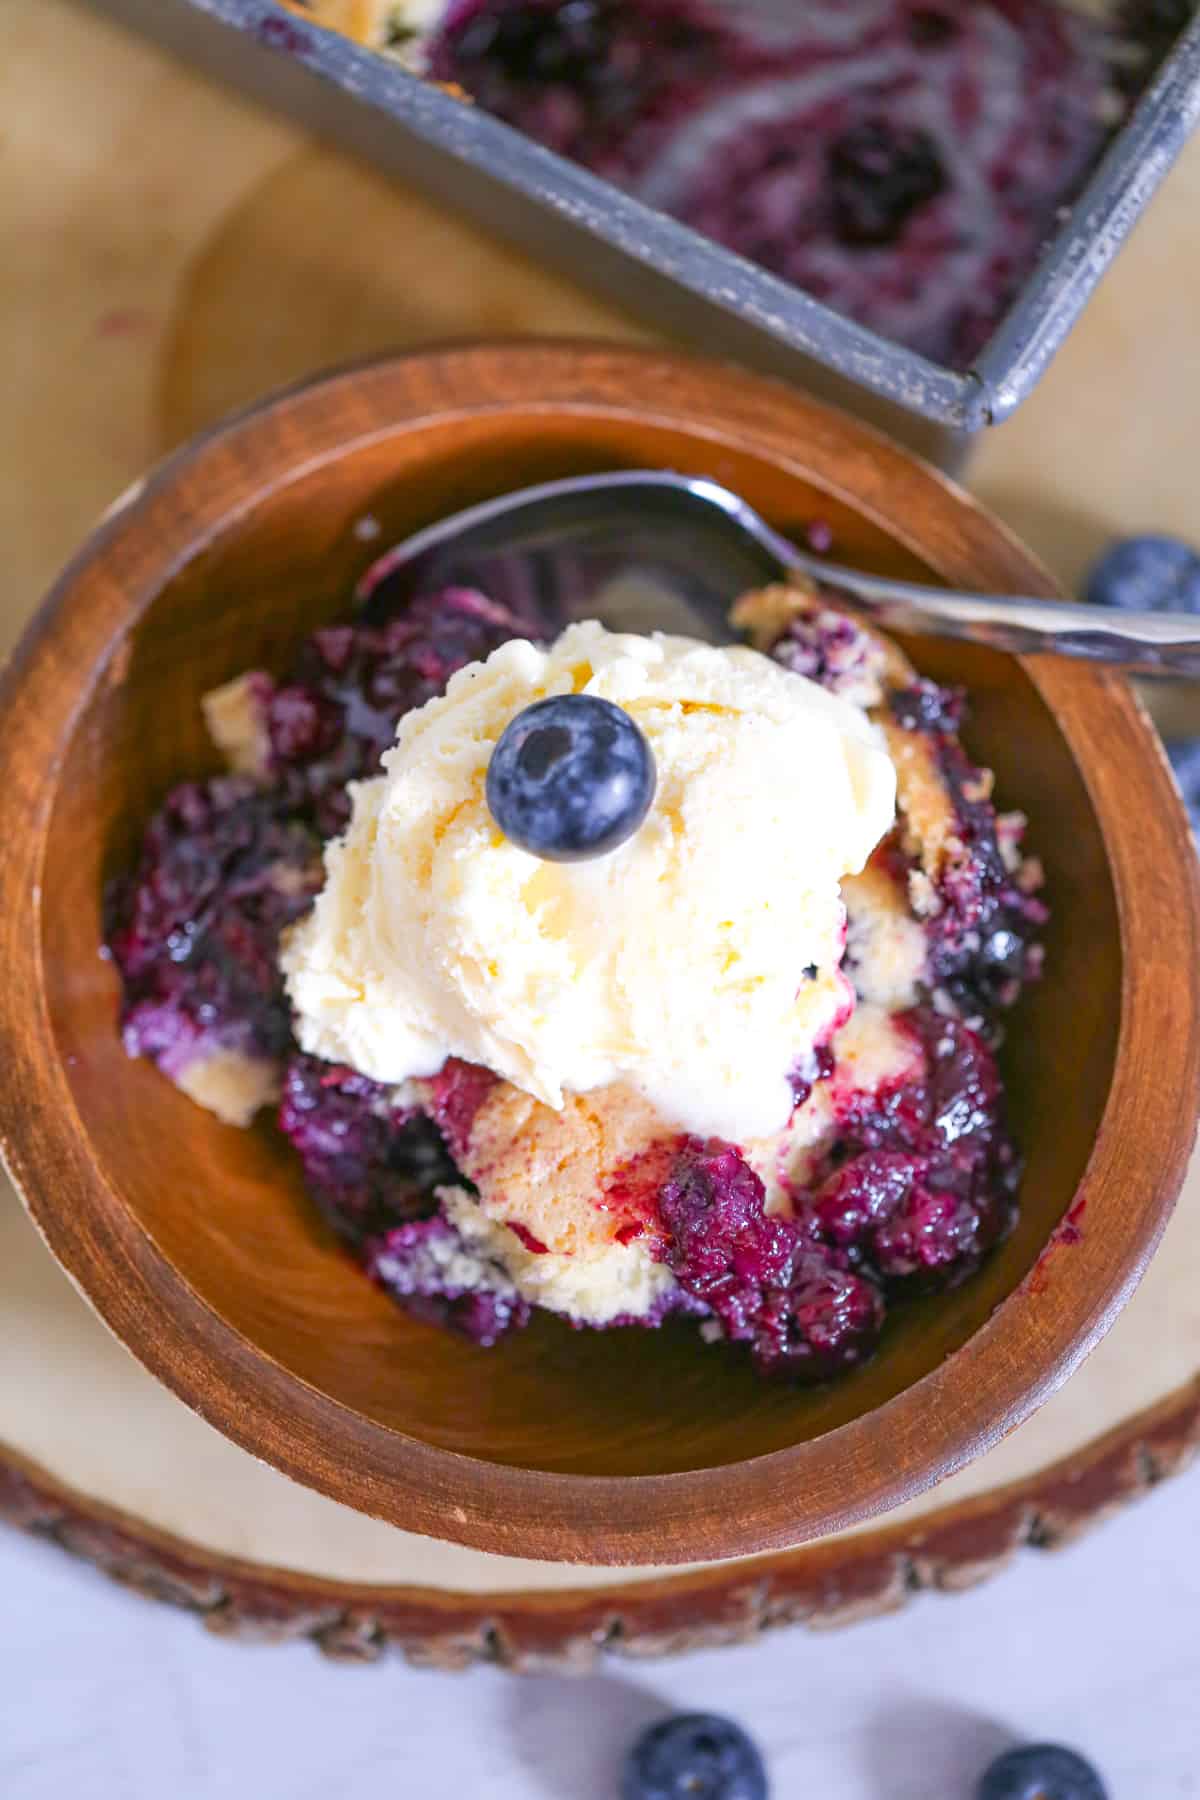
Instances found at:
x=1041 y=1772
x=694 y=1756
x=571 y=777
x=1146 y=574
x=1185 y=760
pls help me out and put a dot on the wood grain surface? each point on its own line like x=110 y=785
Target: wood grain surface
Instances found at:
x=570 y=1627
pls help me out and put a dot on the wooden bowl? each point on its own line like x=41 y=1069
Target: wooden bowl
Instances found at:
x=195 y=1241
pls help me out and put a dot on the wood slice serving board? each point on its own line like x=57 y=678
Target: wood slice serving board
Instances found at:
x=169 y=254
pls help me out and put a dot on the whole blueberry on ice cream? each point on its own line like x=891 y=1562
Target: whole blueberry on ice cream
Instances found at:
x=571 y=777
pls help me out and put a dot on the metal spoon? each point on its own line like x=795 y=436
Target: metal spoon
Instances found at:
x=645 y=549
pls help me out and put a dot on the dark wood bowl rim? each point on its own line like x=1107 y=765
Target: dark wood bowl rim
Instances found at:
x=954 y=1413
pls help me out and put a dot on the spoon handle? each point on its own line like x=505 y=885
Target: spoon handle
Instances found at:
x=1143 y=643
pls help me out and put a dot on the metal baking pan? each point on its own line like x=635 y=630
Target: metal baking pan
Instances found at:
x=686 y=284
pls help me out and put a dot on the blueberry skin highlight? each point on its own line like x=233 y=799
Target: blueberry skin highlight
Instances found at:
x=694 y=1756
x=571 y=777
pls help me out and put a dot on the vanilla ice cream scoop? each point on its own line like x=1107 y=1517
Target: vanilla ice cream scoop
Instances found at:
x=698 y=962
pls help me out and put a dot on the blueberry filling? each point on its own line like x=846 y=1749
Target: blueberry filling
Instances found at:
x=330 y=723
x=904 y=163
x=194 y=929
x=227 y=864
x=915 y=1186
x=814 y=1068
x=828 y=649
x=878 y=177
x=918 y=1186
x=981 y=939
x=420 y=1264
x=596 y=80
x=930 y=28
x=370 y=1163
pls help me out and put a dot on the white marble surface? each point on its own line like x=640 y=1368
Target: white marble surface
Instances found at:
x=112 y=1697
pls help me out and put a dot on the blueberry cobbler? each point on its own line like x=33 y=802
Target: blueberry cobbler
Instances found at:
x=621 y=976
x=903 y=160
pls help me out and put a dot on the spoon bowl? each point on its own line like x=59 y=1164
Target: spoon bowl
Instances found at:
x=658 y=548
